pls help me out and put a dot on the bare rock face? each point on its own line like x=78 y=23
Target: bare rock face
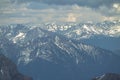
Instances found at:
x=108 y=76
x=8 y=70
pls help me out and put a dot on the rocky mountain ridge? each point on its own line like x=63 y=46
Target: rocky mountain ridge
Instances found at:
x=39 y=52
x=108 y=76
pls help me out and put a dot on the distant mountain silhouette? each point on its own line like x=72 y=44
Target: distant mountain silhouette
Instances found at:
x=8 y=70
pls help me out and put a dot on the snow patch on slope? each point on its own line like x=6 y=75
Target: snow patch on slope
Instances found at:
x=19 y=37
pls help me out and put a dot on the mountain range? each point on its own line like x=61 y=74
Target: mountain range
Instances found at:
x=57 y=52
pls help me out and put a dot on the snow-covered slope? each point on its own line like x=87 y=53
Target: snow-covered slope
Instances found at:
x=85 y=30
x=79 y=30
x=106 y=34
x=44 y=43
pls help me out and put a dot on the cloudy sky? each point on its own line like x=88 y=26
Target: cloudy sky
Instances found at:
x=37 y=11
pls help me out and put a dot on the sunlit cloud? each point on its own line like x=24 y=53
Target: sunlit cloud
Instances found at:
x=71 y=18
x=117 y=7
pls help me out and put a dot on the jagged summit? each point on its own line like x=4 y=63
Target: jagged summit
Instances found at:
x=77 y=30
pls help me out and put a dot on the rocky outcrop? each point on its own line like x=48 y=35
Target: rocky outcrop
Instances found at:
x=8 y=70
x=108 y=76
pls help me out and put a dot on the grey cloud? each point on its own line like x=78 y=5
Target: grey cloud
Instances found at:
x=89 y=3
x=109 y=11
x=25 y=11
x=73 y=14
